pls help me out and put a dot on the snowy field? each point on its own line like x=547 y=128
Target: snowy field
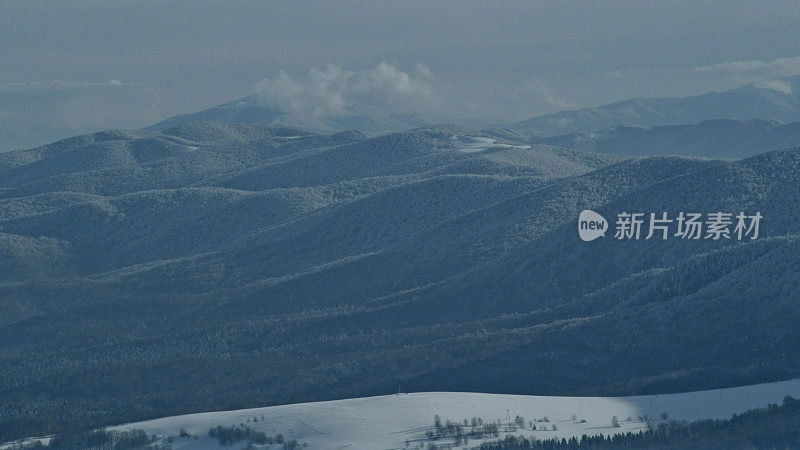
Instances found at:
x=475 y=144
x=391 y=420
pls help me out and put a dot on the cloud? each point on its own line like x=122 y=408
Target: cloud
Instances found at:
x=721 y=76
x=541 y=91
x=682 y=81
x=333 y=92
x=754 y=69
x=748 y=69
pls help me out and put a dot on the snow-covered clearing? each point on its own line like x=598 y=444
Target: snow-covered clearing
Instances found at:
x=388 y=421
x=475 y=144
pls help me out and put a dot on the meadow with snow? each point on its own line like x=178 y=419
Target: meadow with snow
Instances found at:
x=400 y=420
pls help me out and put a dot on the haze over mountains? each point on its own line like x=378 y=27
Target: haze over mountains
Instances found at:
x=251 y=110
x=770 y=99
x=217 y=266
x=353 y=218
x=718 y=138
x=731 y=124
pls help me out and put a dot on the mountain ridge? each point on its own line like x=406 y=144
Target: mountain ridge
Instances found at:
x=280 y=265
x=756 y=100
x=250 y=110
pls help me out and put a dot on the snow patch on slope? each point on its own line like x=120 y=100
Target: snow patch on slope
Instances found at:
x=476 y=144
x=388 y=421
x=776 y=85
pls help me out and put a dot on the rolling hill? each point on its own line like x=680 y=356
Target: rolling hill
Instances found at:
x=389 y=421
x=224 y=266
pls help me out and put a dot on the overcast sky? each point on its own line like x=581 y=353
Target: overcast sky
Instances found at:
x=112 y=64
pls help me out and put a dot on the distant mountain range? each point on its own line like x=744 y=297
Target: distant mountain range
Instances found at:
x=772 y=99
x=250 y=110
x=718 y=138
x=718 y=124
x=216 y=266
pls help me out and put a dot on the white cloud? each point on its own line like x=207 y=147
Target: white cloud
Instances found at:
x=749 y=69
x=754 y=69
x=705 y=78
x=332 y=91
x=541 y=91
x=682 y=81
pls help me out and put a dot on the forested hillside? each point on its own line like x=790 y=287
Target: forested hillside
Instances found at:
x=210 y=266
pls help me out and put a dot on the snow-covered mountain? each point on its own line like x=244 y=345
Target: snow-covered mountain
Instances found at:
x=772 y=99
x=252 y=111
x=717 y=138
